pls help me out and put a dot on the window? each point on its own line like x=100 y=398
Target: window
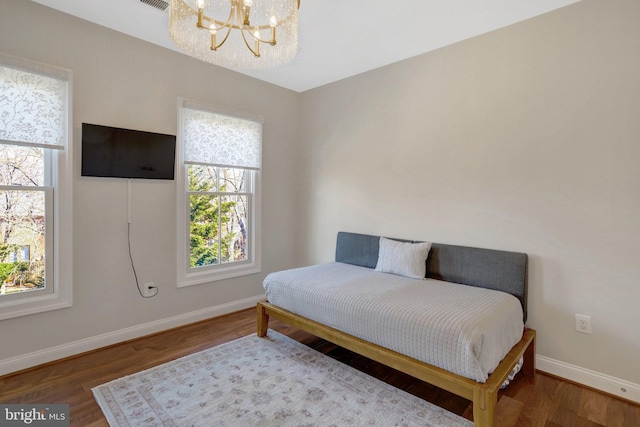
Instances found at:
x=219 y=160
x=35 y=204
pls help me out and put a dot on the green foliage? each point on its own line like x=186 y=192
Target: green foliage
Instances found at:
x=13 y=270
x=5 y=250
x=5 y=271
x=207 y=212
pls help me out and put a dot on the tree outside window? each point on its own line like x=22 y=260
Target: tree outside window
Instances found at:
x=22 y=219
x=218 y=215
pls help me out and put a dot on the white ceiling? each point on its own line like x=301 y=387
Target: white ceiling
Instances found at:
x=338 y=38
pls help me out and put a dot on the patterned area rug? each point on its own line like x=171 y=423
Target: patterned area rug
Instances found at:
x=273 y=381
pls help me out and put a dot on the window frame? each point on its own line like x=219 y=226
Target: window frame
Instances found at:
x=187 y=275
x=58 y=184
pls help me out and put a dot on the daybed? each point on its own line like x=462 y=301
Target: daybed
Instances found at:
x=456 y=321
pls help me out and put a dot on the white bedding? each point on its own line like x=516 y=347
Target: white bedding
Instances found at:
x=462 y=329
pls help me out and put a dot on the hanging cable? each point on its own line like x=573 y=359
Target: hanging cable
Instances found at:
x=133 y=267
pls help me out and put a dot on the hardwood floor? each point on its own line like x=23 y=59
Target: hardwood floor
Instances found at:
x=540 y=401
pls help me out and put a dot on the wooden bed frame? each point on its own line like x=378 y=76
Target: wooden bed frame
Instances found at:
x=484 y=396
x=478 y=263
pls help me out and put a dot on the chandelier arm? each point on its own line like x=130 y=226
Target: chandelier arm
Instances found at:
x=223 y=40
x=255 y=52
x=239 y=16
x=214 y=22
x=258 y=39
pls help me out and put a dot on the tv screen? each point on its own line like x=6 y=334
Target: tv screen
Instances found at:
x=124 y=153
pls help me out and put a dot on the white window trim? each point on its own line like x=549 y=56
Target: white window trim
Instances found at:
x=61 y=163
x=186 y=275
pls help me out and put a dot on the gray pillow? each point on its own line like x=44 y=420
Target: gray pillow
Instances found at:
x=402 y=258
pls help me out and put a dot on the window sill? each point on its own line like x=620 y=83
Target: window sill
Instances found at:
x=36 y=304
x=216 y=274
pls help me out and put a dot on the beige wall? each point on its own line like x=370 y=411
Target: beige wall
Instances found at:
x=124 y=82
x=524 y=139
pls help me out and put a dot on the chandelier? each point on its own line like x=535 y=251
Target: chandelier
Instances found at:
x=236 y=33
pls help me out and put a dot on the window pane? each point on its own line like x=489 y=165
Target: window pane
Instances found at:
x=203 y=230
x=21 y=165
x=22 y=241
x=218 y=229
x=218 y=223
x=202 y=178
x=234 y=228
x=232 y=180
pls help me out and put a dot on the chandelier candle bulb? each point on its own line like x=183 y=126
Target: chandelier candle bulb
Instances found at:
x=257 y=45
x=247 y=11
x=212 y=31
x=273 y=23
x=200 y=13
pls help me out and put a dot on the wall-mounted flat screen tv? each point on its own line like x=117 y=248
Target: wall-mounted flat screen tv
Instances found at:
x=125 y=153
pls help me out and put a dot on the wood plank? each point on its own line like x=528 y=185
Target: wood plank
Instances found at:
x=508 y=411
x=593 y=406
x=564 y=410
x=69 y=380
x=622 y=414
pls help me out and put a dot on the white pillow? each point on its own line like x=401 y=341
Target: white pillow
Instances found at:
x=403 y=258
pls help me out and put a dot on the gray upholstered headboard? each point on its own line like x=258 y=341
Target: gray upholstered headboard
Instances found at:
x=485 y=268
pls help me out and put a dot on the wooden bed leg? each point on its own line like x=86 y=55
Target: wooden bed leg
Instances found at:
x=484 y=408
x=263 y=321
x=529 y=367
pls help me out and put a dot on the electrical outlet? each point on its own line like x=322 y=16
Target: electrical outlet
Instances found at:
x=583 y=323
x=149 y=289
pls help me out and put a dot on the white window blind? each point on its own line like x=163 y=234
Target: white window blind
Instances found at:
x=217 y=139
x=33 y=103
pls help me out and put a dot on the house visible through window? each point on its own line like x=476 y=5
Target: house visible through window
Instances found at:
x=34 y=128
x=21 y=255
x=219 y=155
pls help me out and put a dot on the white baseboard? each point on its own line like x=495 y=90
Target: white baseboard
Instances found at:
x=596 y=380
x=39 y=357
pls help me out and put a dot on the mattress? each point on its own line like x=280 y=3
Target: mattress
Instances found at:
x=463 y=329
